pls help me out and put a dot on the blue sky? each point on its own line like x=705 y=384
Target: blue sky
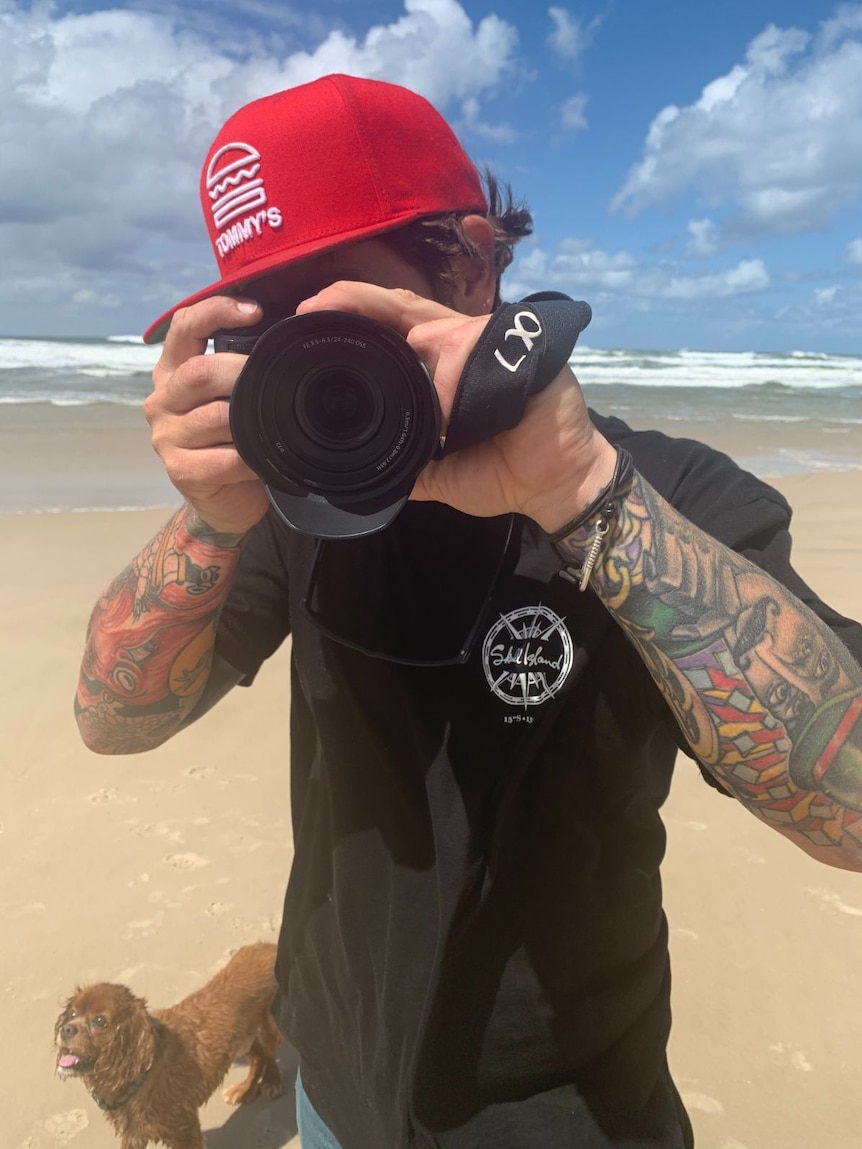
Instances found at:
x=694 y=170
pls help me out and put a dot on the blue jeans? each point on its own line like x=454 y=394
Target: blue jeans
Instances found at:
x=313 y=1134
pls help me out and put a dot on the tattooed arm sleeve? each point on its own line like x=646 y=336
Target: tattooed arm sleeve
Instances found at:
x=149 y=649
x=767 y=697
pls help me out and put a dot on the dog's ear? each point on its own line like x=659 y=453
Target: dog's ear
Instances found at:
x=129 y=1042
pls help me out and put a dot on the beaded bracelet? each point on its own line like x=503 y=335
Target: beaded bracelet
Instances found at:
x=599 y=515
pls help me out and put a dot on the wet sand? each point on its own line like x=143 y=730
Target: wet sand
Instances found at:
x=99 y=456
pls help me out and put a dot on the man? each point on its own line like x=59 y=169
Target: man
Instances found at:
x=473 y=950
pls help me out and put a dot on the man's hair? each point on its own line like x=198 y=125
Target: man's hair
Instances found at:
x=435 y=242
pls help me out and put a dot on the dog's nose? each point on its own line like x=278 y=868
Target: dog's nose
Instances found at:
x=68 y=1030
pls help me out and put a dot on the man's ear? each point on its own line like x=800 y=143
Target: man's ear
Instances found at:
x=475 y=286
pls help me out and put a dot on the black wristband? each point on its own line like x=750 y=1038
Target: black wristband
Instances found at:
x=623 y=471
x=569 y=541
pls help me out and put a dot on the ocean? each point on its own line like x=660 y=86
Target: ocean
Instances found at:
x=73 y=437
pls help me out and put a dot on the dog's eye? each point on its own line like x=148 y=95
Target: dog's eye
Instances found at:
x=71 y=1014
x=100 y=1021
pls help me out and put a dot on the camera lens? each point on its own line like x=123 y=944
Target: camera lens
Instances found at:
x=337 y=407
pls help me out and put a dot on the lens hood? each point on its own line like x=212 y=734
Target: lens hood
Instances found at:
x=338 y=416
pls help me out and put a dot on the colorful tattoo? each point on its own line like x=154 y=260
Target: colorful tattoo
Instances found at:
x=150 y=639
x=767 y=697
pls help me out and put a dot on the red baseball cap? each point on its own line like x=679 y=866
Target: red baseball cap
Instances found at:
x=319 y=165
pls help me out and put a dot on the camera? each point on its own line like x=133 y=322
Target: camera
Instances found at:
x=337 y=415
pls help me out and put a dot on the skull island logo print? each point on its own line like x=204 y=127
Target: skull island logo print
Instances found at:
x=527 y=656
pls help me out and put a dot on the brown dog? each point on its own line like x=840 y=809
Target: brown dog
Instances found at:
x=151 y=1072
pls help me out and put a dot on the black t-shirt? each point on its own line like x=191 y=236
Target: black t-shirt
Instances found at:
x=473 y=949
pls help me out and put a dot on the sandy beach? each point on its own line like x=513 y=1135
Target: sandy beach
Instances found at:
x=150 y=870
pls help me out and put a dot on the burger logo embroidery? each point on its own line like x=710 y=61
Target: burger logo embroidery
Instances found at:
x=527 y=656
x=237 y=192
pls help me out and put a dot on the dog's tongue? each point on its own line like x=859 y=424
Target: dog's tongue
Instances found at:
x=68 y=1061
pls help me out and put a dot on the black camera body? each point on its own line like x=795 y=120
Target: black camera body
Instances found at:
x=337 y=415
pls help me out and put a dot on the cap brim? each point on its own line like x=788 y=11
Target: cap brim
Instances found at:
x=313 y=515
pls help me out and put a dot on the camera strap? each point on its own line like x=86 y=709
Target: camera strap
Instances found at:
x=522 y=349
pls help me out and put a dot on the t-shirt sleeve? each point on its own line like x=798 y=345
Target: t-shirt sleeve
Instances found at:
x=255 y=619
x=735 y=507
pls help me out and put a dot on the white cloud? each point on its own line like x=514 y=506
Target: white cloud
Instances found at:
x=748 y=276
x=779 y=136
x=770 y=53
x=577 y=266
x=826 y=296
x=433 y=49
x=573 y=112
x=88 y=298
x=827 y=318
x=580 y=268
x=107 y=117
x=716 y=93
x=703 y=237
x=853 y=251
x=498 y=133
x=846 y=21
x=567 y=37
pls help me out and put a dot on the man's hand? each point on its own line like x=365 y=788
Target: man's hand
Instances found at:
x=548 y=467
x=188 y=415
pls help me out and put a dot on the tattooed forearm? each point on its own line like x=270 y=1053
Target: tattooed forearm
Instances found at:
x=768 y=698
x=151 y=636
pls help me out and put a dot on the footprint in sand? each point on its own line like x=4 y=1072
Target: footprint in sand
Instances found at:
x=185 y=861
x=142 y=929
x=155 y=830
x=110 y=795
x=797 y=1058
x=217 y=909
x=836 y=902
x=102 y=796
x=198 y=772
x=752 y=859
x=180 y=898
x=703 y=1103
x=127 y=976
x=29 y=908
x=64 y=1126
x=681 y=932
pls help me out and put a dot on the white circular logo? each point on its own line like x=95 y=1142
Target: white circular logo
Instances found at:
x=527 y=656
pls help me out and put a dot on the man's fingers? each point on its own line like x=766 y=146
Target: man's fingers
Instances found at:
x=441 y=337
x=398 y=308
x=191 y=327
x=198 y=470
x=201 y=379
x=205 y=426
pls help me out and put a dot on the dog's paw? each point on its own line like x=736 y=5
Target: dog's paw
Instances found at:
x=241 y=1093
x=271 y=1088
